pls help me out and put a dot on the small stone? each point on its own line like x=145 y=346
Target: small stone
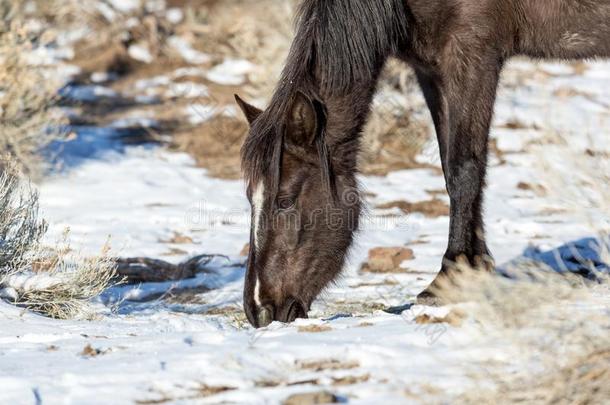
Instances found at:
x=89 y=351
x=453 y=318
x=245 y=251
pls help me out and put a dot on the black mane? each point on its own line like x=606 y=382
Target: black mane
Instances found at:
x=338 y=44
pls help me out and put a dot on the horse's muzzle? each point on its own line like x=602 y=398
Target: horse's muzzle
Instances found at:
x=291 y=310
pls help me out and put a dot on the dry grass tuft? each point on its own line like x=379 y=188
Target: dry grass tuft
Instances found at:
x=65 y=291
x=395 y=133
x=556 y=325
x=20 y=227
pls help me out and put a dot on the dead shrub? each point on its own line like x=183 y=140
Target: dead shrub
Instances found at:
x=20 y=227
x=29 y=119
x=57 y=283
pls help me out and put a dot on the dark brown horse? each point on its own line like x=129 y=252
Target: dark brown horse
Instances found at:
x=300 y=156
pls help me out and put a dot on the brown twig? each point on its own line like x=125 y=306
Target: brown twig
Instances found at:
x=142 y=269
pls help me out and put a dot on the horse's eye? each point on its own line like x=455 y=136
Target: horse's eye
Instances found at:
x=285 y=203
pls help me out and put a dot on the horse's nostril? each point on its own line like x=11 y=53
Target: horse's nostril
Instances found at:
x=264 y=317
x=295 y=310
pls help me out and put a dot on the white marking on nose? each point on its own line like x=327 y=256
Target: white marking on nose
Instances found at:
x=258 y=199
x=257 y=204
x=257 y=293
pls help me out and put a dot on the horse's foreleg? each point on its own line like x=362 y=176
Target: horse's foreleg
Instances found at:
x=464 y=143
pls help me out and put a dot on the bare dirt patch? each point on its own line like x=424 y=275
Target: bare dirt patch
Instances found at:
x=311 y=398
x=537 y=189
x=327 y=364
x=215 y=145
x=205 y=390
x=387 y=260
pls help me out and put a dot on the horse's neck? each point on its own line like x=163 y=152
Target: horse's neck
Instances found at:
x=346 y=117
x=348 y=112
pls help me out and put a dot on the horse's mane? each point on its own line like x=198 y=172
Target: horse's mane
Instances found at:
x=338 y=44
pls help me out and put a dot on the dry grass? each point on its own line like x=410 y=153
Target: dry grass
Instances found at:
x=558 y=326
x=28 y=91
x=65 y=291
x=395 y=133
x=215 y=145
x=580 y=180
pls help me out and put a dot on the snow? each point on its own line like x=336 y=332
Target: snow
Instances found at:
x=230 y=72
x=187 y=52
x=198 y=113
x=140 y=52
x=150 y=348
x=87 y=93
x=187 y=90
x=175 y=15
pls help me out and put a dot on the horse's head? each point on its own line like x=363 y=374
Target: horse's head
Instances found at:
x=305 y=209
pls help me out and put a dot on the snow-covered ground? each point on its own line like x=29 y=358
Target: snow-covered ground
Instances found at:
x=198 y=348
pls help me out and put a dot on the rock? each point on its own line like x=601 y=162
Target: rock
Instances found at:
x=89 y=351
x=387 y=260
x=312 y=398
x=245 y=251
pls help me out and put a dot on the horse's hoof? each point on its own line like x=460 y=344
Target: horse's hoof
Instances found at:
x=429 y=299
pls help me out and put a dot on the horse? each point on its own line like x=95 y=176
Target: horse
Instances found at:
x=300 y=157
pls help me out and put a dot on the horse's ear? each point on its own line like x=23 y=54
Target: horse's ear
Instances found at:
x=303 y=121
x=249 y=110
